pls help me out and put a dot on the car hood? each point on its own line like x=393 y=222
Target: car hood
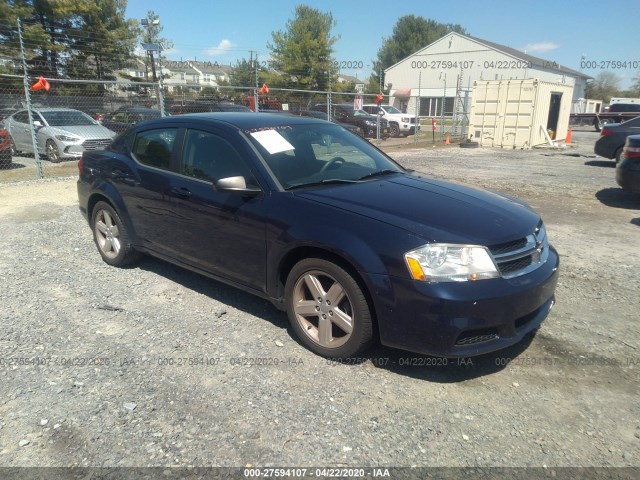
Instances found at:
x=86 y=132
x=434 y=210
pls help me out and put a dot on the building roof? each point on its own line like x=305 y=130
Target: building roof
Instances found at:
x=534 y=61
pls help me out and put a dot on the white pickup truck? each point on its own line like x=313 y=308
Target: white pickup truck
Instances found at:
x=399 y=123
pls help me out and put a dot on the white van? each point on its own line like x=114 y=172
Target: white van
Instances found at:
x=399 y=123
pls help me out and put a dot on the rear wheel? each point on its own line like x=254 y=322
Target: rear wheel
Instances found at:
x=14 y=150
x=618 y=155
x=327 y=309
x=111 y=236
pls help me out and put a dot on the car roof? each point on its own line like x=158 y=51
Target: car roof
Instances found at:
x=54 y=109
x=136 y=109
x=242 y=120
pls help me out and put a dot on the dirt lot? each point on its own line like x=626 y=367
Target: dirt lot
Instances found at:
x=156 y=366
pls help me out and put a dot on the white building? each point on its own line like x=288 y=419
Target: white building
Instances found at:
x=449 y=66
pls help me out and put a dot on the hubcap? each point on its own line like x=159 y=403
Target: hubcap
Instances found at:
x=323 y=309
x=107 y=234
x=52 y=151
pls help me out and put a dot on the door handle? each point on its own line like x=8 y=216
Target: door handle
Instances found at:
x=181 y=192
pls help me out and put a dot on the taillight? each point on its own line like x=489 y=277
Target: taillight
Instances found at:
x=80 y=164
x=632 y=152
x=604 y=132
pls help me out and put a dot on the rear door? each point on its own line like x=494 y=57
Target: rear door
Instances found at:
x=145 y=189
x=21 y=132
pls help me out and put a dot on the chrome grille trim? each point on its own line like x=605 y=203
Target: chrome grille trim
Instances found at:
x=96 y=144
x=536 y=250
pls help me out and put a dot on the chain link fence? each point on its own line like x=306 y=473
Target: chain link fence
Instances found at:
x=45 y=131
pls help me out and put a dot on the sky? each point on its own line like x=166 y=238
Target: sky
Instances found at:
x=572 y=33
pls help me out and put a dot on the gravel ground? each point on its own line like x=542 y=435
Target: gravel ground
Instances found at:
x=155 y=366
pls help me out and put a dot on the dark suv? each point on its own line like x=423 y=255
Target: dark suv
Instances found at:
x=345 y=113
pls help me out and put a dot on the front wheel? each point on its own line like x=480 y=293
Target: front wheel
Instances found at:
x=327 y=309
x=111 y=236
x=53 y=154
x=394 y=130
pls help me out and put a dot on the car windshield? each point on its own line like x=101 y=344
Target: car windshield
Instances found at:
x=312 y=154
x=391 y=109
x=60 y=118
x=361 y=113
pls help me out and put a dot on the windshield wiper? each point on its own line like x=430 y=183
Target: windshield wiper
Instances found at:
x=379 y=173
x=322 y=182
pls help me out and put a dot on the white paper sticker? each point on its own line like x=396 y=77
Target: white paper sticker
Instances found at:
x=272 y=141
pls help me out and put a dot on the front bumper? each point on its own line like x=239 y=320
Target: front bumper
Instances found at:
x=463 y=319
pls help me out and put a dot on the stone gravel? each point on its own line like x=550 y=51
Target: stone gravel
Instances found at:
x=152 y=365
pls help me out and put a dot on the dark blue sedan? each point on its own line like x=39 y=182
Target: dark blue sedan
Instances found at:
x=317 y=220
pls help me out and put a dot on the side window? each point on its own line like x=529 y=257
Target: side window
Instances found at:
x=23 y=117
x=209 y=157
x=153 y=147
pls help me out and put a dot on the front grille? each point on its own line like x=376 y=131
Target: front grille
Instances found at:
x=522 y=255
x=474 y=337
x=509 y=246
x=97 y=144
x=513 y=266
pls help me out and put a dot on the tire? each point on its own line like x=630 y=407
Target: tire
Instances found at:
x=328 y=309
x=111 y=236
x=469 y=145
x=14 y=151
x=618 y=156
x=53 y=154
x=394 y=130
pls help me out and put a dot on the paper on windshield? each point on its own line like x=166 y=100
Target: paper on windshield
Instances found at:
x=272 y=141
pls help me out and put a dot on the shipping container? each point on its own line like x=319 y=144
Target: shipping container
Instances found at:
x=519 y=113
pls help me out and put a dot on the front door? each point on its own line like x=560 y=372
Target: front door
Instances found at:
x=222 y=232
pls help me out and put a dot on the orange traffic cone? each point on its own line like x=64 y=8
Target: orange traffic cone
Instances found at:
x=568 y=139
x=41 y=84
x=446 y=140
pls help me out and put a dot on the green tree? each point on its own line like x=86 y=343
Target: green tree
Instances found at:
x=302 y=53
x=604 y=86
x=634 y=89
x=68 y=38
x=105 y=42
x=410 y=34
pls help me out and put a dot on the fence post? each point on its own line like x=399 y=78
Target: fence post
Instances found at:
x=25 y=78
x=160 y=85
x=329 y=100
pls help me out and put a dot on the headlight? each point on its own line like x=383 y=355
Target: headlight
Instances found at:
x=369 y=122
x=404 y=119
x=442 y=262
x=67 y=138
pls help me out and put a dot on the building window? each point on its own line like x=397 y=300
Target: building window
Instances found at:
x=432 y=106
x=182 y=76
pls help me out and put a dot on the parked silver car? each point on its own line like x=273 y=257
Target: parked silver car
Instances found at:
x=61 y=133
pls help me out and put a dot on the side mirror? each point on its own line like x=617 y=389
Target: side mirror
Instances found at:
x=235 y=184
x=37 y=123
